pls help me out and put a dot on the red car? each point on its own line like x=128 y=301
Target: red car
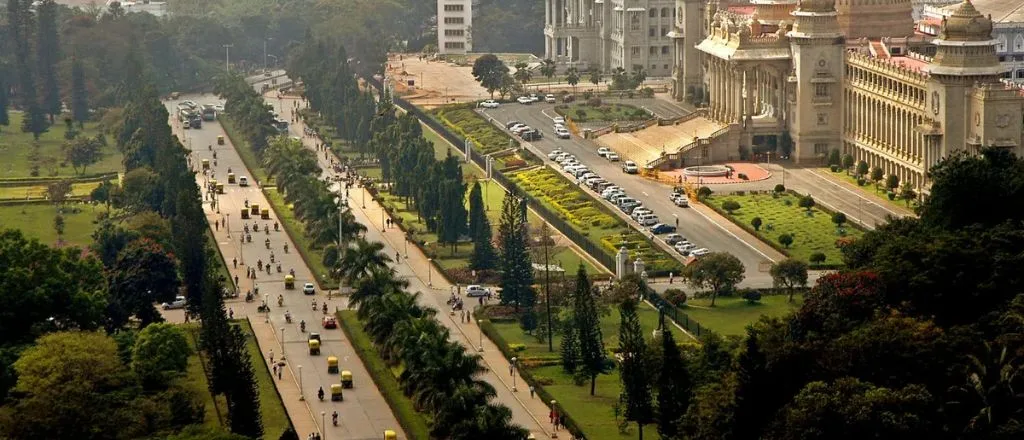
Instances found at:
x=330 y=322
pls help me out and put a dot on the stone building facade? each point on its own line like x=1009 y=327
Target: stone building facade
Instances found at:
x=1008 y=30
x=454 y=26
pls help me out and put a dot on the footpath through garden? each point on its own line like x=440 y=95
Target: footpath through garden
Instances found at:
x=414 y=266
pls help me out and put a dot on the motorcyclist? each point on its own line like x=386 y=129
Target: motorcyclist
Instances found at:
x=287 y=316
x=276 y=227
x=302 y=326
x=246 y=205
x=320 y=393
x=325 y=307
x=314 y=304
x=280 y=300
x=278 y=267
x=334 y=418
x=291 y=272
x=271 y=256
x=210 y=147
x=286 y=248
x=259 y=264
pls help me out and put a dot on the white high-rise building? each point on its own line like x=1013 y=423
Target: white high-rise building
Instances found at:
x=454 y=26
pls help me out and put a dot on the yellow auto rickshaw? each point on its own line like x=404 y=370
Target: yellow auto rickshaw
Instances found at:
x=206 y=164
x=265 y=214
x=289 y=280
x=390 y=435
x=346 y=379
x=336 y=395
x=332 y=365
x=255 y=209
x=314 y=347
x=231 y=177
x=220 y=188
x=220 y=139
x=245 y=214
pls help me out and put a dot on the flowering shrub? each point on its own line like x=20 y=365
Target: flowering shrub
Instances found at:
x=569 y=202
x=467 y=123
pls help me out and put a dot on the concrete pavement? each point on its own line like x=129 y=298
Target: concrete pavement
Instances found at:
x=415 y=267
x=364 y=414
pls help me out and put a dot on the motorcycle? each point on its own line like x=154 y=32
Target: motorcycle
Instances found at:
x=280 y=301
x=267 y=243
x=278 y=267
x=286 y=248
x=325 y=308
x=291 y=272
x=248 y=238
x=271 y=256
x=320 y=394
x=259 y=264
x=288 y=317
x=247 y=205
x=334 y=418
x=314 y=305
x=263 y=308
x=248 y=296
x=276 y=227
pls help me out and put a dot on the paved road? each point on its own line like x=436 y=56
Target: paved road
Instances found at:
x=414 y=267
x=364 y=414
x=693 y=224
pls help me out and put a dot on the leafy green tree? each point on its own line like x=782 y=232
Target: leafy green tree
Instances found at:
x=989 y=179
x=892 y=182
x=806 y=202
x=361 y=259
x=243 y=397
x=789 y=273
x=717 y=271
x=58 y=226
x=570 y=348
x=703 y=192
x=79 y=94
x=572 y=77
x=490 y=72
x=634 y=369
x=484 y=256
x=58 y=191
x=516 y=265
x=876 y=175
x=593 y=360
x=547 y=68
x=82 y=152
x=839 y=219
x=862 y=169
x=595 y=75
x=161 y=352
x=144 y=274
x=908 y=194
x=834 y=158
x=756 y=223
x=848 y=162
x=523 y=74
x=786 y=240
x=638 y=77
x=674 y=386
x=109 y=239
x=730 y=206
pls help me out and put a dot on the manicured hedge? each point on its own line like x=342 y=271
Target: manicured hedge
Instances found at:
x=466 y=123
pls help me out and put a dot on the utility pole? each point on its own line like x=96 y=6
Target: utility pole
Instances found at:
x=265 y=52
x=547 y=287
x=227 y=57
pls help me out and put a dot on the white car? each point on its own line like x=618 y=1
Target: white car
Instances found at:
x=519 y=128
x=603 y=151
x=490 y=103
x=524 y=100
x=640 y=212
x=650 y=220
x=559 y=120
x=629 y=167
x=178 y=303
x=308 y=289
x=681 y=201
x=562 y=133
x=243 y=181
x=700 y=252
x=614 y=157
x=557 y=126
x=534 y=97
x=554 y=154
x=684 y=247
x=474 y=291
x=550 y=99
x=190 y=104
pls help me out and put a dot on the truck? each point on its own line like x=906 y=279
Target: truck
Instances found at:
x=209 y=113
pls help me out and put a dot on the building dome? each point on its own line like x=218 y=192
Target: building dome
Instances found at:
x=966 y=24
x=817 y=5
x=874 y=19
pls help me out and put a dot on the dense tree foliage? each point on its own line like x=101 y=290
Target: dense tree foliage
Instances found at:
x=516 y=265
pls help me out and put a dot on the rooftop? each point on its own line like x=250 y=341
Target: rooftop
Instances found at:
x=742 y=10
x=1002 y=11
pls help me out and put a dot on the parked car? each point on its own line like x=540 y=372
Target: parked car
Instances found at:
x=681 y=201
x=524 y=100
x=511 y=124
x=520 y=128
x=662 y=228
x=308 y=289
x=550 y=99
x=474 y=291
x=531 y=135
x=629 y=167
x=684 y=247
x=614 y=157
x=562 y=133
x=638 y=212
x=649 y=220
x=559 y=120
x=603 y=151
x=490 y=103
x=672 y=239
x=700 y=252
x=534 y=97
x=554 y=154
x=178 y=303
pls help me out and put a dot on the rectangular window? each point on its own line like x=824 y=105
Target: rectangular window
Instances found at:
x=821 y=90
x=635 y=50
x=820 y=148
x=454 y=8
x=454 y=20
x=653 y=50
x=651 y=31
x=454 y=45
x=454 y=32
x=664 y=31
x=664 y=50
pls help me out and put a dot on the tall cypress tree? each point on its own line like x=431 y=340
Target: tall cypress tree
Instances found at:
x=588 y=330
x=484 y=256
x=5 y=119
x=476 y=210
x=633 y=371
x=79 y=94
x=674 y=386
x=570 y=349
x=516 y=266
x=752 y=390
x=47 y=54
x=20 y=27
x=244 y=394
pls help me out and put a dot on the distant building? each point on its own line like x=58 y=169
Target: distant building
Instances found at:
x=1008 y=30
x=609 y=34
x=454 y=26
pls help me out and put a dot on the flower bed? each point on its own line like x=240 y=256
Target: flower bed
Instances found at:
x=466 y=123
x=584 y=112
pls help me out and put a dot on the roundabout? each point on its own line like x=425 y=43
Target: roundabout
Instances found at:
x=707 y=171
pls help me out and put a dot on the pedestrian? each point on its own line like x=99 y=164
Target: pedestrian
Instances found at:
x=462 y=316
x=234 y=261
x=231 y=313
x=271 y=355
x=280 y=370
x=532 y=390
x=186 y=316
x=398 y=258
x=216 y=226
x=469 y=316
x=275 y=369
x=551 y=416
x=561 y=420
x=511 y=369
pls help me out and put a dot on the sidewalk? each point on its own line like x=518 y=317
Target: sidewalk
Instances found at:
x=288 y=385
x=418 y=270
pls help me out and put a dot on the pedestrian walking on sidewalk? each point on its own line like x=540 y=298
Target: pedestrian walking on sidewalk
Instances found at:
x=532 y=390
x=561 y=421
x=280 y=370
x=231 y=313
x=275 y=369
x=398 y=258
x=271 y=355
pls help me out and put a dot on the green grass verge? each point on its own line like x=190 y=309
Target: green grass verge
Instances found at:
x=731 y=315
x=413 y=423
x=36 y=221
x=17 y=154
x=869 y=188
x=216 y=408
x=811 y=233
x=245 y=151
x=607 y=112
x=313 y=257
x=275 y=418
x=38 y=192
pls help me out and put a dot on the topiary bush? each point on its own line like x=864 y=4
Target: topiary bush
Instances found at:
x=676 y=297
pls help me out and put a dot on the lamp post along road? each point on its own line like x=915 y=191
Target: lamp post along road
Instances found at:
x=302 y=394
x=513 y=369
x=480 y=326
x=227 y=57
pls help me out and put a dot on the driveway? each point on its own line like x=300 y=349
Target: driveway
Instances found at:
x=364 y=413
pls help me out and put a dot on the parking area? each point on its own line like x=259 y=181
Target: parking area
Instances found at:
x=697 y=228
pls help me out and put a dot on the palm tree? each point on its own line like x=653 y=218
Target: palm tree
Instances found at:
x=381 y=281
x=361 y=259
x=572 y=76
x=547 y=68
x=523 y=74
x=991 y=390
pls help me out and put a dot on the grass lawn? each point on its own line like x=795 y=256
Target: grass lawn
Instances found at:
x=811 y=233
x=606 y=112
x=731 y=315
x=413 y=422
x=594 y=414
x=17 y=153
x=38 y=192
x=878 y=192
x=36 y=221
x=275 y=419
x=297 y=231
x=195 y=380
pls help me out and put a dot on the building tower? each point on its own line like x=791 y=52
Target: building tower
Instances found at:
x=815 y=121
x=688 y=31
x=454 y=22
x=969 y=104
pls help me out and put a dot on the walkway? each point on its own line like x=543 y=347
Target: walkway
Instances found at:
x=364 y=413
x=530 y=413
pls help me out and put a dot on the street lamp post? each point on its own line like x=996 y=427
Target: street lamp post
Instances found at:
x=282 y=343
x=364 y=198
x=405 y=244
x=430 y=272
x=265 y=52
x=227 y=224
x=323 y=424
x=480 y=326
x=302 y=395
x=514 y=374
x=266 y=301
x=227 y=57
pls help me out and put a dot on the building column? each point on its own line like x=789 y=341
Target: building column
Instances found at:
x=748 y=101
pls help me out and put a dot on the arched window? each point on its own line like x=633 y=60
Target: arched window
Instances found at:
x=652 y=13
x=1001 y=45
x=665 y=12
x=1018 y=43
